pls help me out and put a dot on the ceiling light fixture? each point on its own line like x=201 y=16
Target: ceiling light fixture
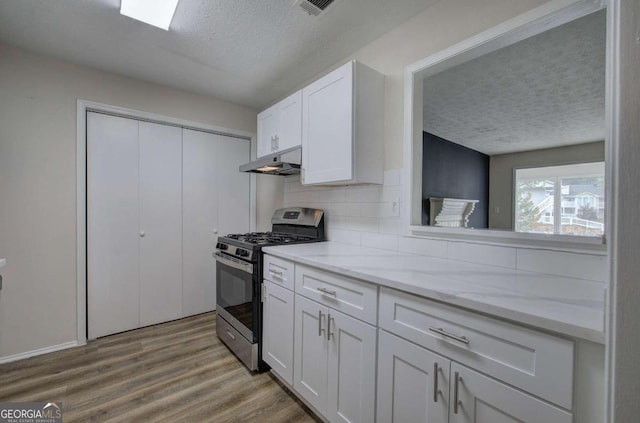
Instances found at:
x=158 y=13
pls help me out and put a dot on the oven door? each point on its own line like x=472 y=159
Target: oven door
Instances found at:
x=236 y=294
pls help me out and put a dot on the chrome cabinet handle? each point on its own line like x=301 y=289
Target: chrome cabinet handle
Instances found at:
x=320 y=330
x=276 y=273
x=456 y=401
x=326 y=291
x=435 y=382
x=329 y=333
x=232 y=336
x=442 y=332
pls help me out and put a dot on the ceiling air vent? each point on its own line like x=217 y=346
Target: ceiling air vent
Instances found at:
x=313 y=7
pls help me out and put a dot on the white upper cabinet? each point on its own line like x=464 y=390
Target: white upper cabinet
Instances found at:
x=280 y=126
x=267 y=130
x=343 y=126
x=289 y=122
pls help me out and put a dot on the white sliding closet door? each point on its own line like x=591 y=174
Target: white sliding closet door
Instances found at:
x=156 y=196
x=112 y=224
x=160 y=223
x=200 y=221
x=215 y=199
x=234 y=202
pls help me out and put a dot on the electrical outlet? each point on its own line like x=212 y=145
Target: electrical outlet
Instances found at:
x=395 y=208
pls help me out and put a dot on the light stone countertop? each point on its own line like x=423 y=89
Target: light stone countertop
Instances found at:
x=568 y=306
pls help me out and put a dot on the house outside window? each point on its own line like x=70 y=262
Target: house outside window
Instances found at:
x=572 y=193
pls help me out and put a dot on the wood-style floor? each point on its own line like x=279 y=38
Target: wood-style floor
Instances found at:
x=176 y=371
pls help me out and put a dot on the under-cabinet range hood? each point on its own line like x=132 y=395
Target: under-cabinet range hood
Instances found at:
x=285 y=162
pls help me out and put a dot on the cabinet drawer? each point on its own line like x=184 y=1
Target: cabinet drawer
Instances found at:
x=355 y=298
x=278 y=271
x=536 y=362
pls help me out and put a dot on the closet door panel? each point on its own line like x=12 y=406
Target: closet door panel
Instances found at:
x=160 y=223
x=199 y=221
x=234 y=203
x=112 y=225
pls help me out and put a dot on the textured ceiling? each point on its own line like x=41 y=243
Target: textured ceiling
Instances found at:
x=545 y=91
x=251 y=52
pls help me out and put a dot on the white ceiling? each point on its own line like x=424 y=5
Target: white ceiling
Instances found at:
x=545 y=91
x=251 y=52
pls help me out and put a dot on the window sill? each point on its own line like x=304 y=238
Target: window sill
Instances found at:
x=589 y=244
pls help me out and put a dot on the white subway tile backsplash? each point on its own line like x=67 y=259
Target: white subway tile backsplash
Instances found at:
x=393 y=177
x=483 y=254
x=363 y=224
x=344 y=209
x=360 y=194
x=363 y=215
x=334 y=195
x=345 y=236
x=390 y=193
x=391 y=226
x=427 y=247
x=382 y=241
x=382 y=210
x=573 y=265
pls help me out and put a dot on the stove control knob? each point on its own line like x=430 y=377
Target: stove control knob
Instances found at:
x=220 y=246
x=242 y=253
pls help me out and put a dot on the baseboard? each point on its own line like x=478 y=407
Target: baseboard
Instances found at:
x=39 y=351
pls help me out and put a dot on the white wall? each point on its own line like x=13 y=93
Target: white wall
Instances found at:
x=624 y=336
x=38 y=182
x=501 y=168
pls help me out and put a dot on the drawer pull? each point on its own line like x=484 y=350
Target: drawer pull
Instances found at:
x=326 y=291
x=276 y=273
x=435 y=382
x=456 y=402
x=230 y=335
x=442 y=332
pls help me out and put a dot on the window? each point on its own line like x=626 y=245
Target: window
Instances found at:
x=565 y=199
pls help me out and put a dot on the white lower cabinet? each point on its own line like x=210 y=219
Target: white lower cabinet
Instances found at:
x=334 y=362
x=434 y=363
x=484 y=400
x=413 y=382
x=277 y=324
x=417 y=385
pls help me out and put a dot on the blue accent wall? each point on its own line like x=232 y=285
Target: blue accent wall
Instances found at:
x=453 y=171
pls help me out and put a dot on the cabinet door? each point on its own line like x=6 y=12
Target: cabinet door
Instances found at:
x=267 y=130
x=413 y=383
x=310 y=352
x=327 y=128
x=351 y=369
x=160 y=223
x=112 y=225
x=199 y=221
x=484 y=400
x=277 y=330
x=289 y=121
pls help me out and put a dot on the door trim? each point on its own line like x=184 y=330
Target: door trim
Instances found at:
x=84 y=106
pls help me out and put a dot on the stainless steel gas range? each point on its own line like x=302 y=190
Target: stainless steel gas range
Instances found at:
x=239 y=278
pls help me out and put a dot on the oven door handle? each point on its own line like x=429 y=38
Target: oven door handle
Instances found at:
x=245 y=267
